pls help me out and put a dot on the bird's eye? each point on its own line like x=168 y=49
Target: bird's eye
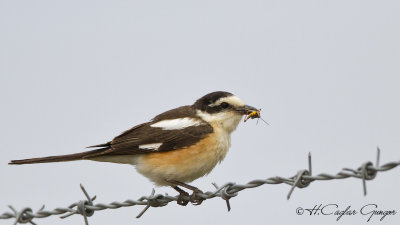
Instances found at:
x=224 y=105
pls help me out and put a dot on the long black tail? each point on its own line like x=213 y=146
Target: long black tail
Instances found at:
x=59 y=158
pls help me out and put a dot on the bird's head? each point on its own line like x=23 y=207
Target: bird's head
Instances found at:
x=222 y=108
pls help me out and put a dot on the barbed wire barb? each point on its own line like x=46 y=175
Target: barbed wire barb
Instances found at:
x=378 y=156
x=302 y=179
x=225 y=196
x=81 y=206
x=299 y=178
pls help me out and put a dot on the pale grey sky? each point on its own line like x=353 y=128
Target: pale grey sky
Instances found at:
x=77 y=73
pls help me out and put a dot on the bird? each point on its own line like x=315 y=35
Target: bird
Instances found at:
x=175 y=147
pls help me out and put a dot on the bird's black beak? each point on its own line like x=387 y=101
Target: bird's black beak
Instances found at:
x=246 y=109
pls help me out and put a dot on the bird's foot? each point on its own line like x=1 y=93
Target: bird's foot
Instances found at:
x=183 y=193
x=181 y=198
x=193 y=199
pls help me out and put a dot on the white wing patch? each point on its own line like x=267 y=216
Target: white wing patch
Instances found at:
x=177 y=124
x=153 y=146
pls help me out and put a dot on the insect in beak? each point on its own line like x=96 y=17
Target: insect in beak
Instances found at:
x=252 y=114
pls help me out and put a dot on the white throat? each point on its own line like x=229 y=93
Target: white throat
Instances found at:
x=227 y=121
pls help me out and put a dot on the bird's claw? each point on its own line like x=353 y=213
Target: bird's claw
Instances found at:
x=183 y=195
x=181 y=201
x=193 y=199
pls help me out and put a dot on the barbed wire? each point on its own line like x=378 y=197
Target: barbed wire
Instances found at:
x=303 y=178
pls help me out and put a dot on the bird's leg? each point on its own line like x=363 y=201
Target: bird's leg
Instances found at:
x=182 y=193
x=190 y=187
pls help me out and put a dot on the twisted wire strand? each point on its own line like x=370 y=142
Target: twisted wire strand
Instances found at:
x=86 y=208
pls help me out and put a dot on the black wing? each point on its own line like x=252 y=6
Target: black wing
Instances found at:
x=128 y=142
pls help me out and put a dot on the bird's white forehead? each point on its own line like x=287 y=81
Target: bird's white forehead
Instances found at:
x=232 y=100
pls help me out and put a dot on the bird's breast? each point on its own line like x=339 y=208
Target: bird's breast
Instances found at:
x=186 y=164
